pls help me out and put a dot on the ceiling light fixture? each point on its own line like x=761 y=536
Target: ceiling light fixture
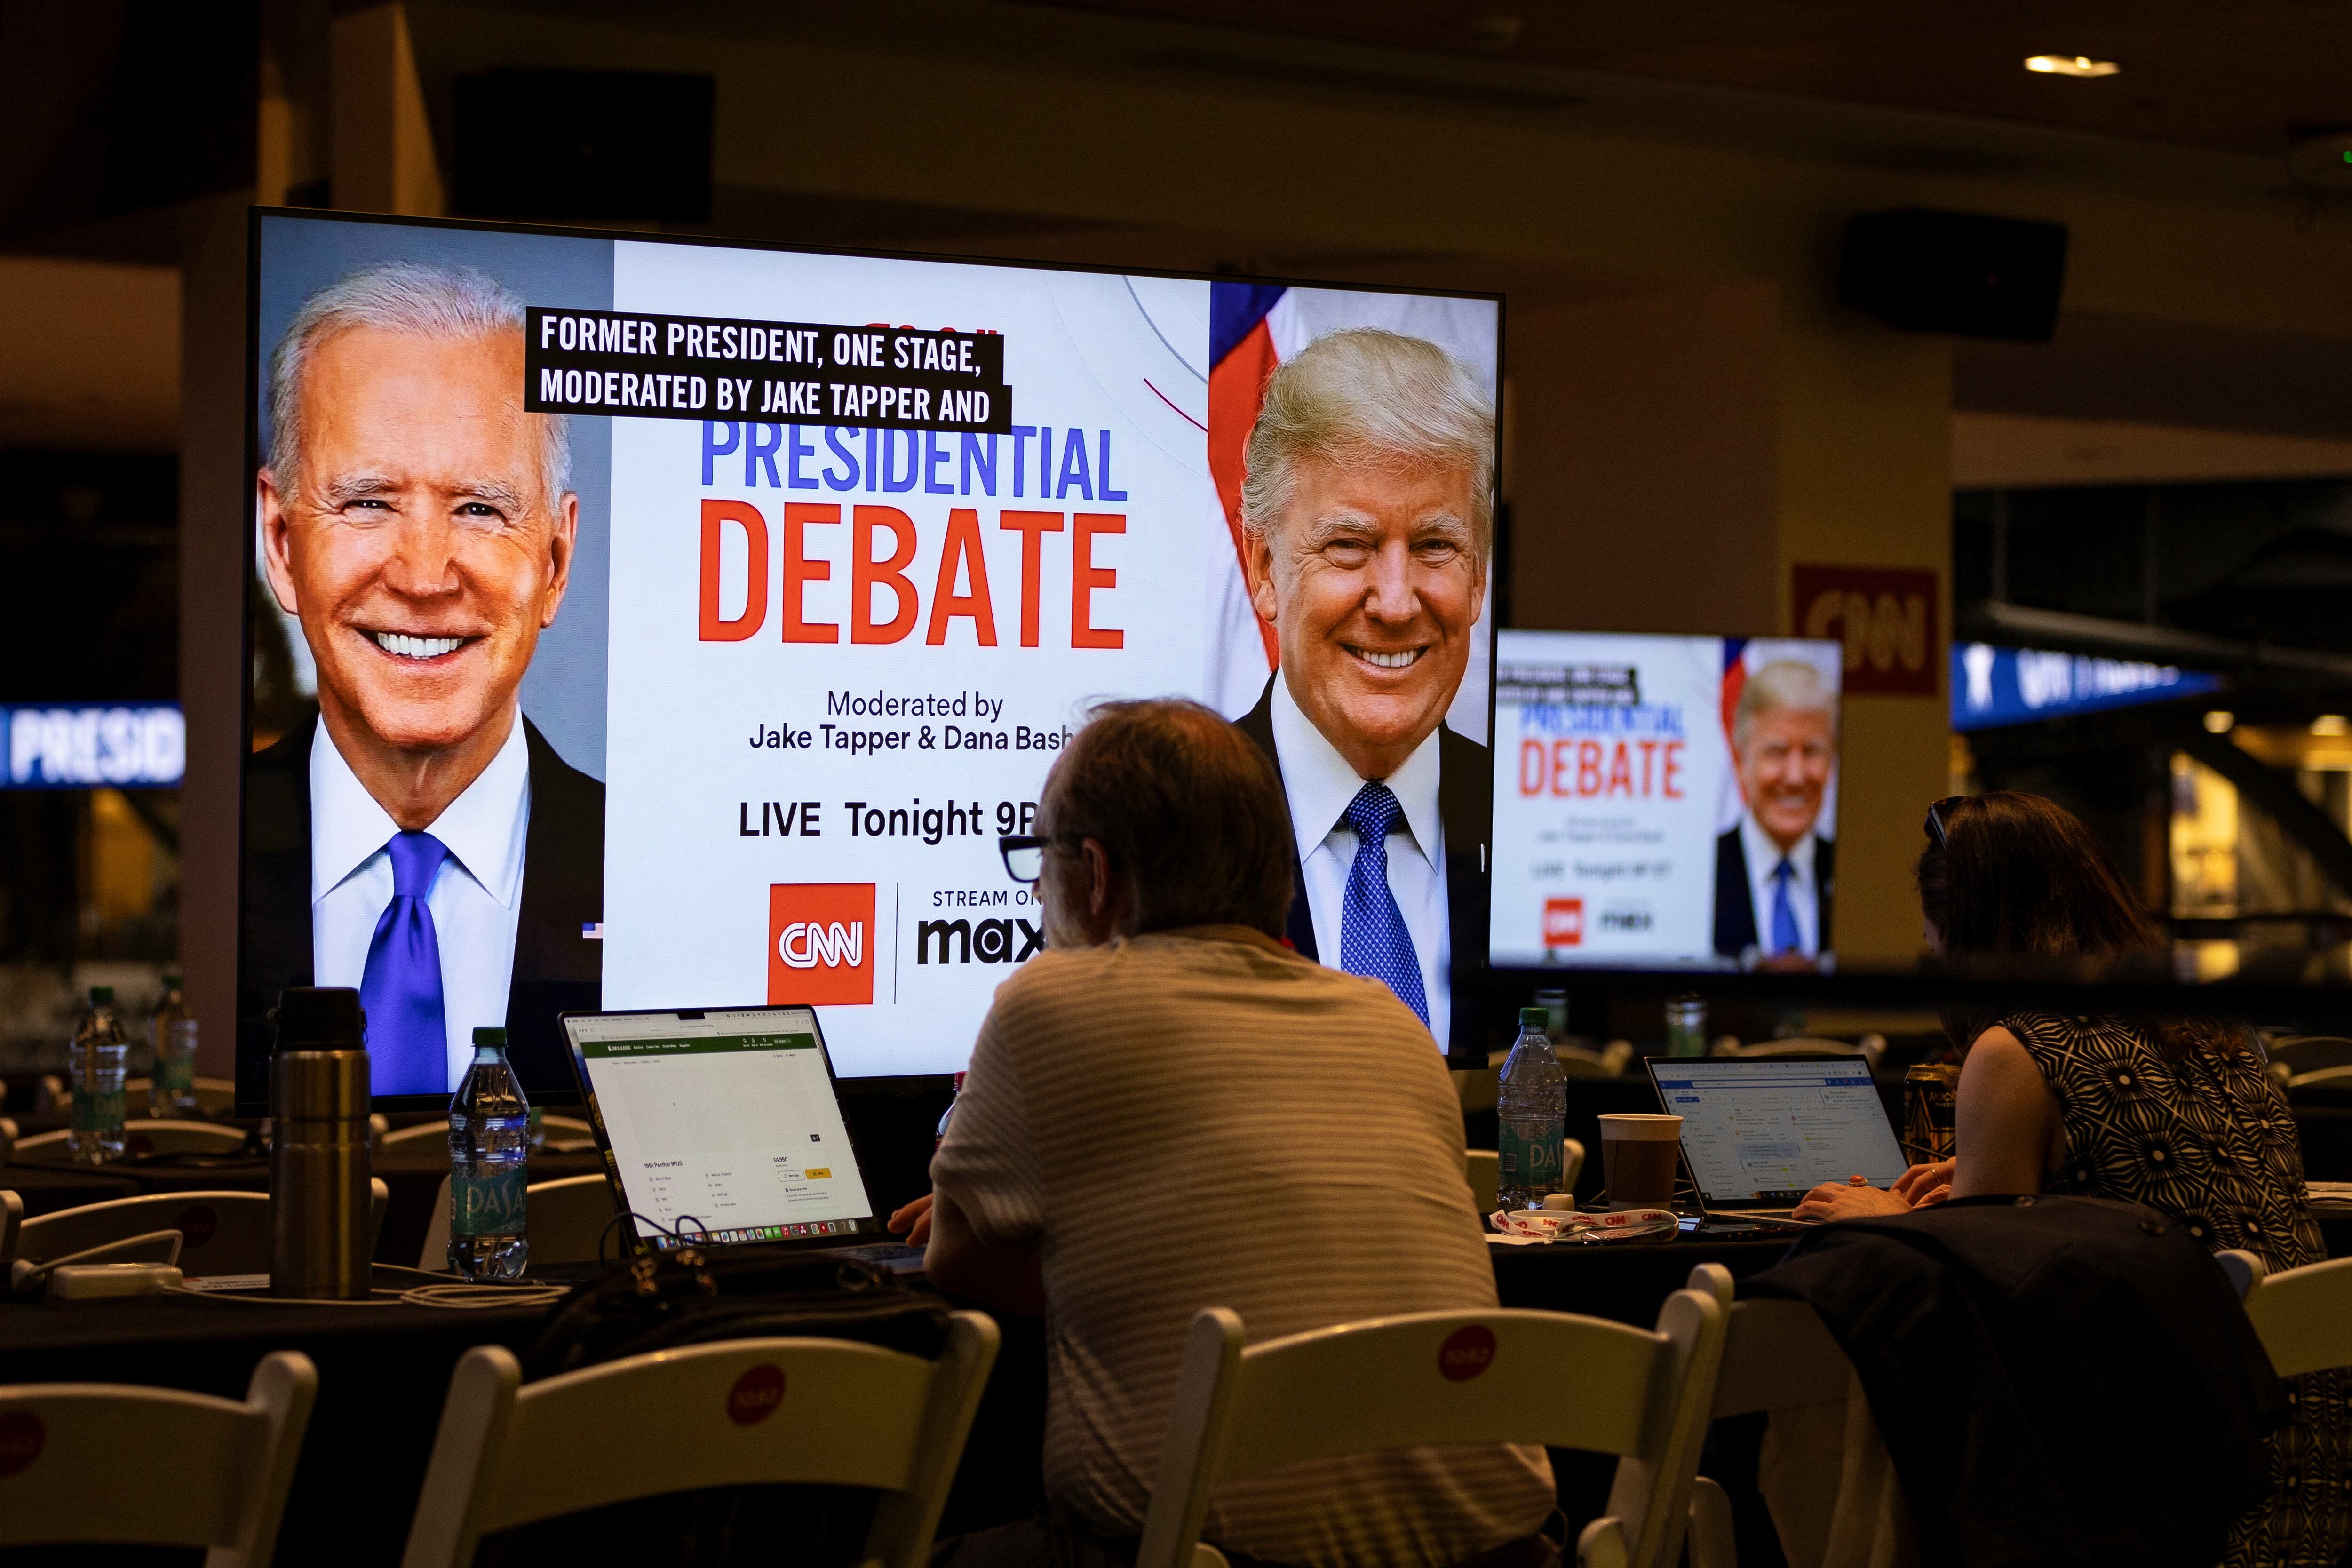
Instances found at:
x=2220 y=721
x=2071 y=65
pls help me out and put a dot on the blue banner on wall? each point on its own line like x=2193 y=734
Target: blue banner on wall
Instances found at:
x=1992 y=686
x=92 y=746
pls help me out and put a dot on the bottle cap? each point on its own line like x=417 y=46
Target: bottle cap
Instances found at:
x=171 y=980
x=101 y=995
x=319 y=1018
x=486 y=1035
x=1535 y=1018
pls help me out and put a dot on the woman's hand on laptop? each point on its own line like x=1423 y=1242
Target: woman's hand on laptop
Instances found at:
x=1923 y=1185
x=1854 y=1198
x=913 y=1222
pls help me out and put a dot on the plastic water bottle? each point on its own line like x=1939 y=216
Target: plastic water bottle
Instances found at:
x=172 y=1034
x=1532 y=1107
x=489 y=1161
x=97 y=1061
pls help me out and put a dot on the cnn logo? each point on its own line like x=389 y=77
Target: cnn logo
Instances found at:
x=820 y=943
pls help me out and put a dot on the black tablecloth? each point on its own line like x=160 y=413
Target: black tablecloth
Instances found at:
x=384 y=1371
x=412 y=1179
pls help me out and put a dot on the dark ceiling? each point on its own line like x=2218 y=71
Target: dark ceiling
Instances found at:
x=2246 y=77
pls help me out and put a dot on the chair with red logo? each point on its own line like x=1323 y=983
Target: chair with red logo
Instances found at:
x=219 y=1232
x=208 y=1473
x=735 y=1413
x=1426 y=1379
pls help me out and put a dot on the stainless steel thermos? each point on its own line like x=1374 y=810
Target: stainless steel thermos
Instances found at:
x=319 y=1155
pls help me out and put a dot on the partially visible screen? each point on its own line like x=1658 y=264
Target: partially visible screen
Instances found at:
x=750 y=593
x=725 y=1123
x=1776 y=1129
x=1665 y=801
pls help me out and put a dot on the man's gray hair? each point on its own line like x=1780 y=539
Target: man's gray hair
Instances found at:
x=418 y=299
x=1782 y=685
x=1361 y=397
x=1187 y=807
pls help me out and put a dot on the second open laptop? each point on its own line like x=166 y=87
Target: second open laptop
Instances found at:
x=1760 y=1132
x=721 y=1126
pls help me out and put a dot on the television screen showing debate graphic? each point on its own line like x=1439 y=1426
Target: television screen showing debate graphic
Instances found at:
x=1665 y=801
x=644 y=622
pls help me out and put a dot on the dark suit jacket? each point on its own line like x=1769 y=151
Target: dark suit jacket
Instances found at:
x=2059 y=1380
x=555 y=969
x=1735 y=902
x=1465 y=804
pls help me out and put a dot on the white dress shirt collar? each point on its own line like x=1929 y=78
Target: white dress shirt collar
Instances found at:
x=1320 y=783
x=484 y=829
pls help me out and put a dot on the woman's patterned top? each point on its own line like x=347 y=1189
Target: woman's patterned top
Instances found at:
x=2204 y=1137
x=2209 y=1139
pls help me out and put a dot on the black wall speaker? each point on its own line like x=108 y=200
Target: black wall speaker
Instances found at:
x=584 y=145
x=1960 y=273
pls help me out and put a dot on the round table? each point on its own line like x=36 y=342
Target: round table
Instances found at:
x=384 y=1371
x=413 y=1179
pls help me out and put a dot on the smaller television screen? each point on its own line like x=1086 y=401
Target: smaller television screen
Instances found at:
x=1665 y=801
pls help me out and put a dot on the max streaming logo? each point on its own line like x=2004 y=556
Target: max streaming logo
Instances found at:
x=821 y=942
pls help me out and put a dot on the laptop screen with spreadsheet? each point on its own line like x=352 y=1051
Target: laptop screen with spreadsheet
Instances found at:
x=724 y=1122
x=1768 y=1130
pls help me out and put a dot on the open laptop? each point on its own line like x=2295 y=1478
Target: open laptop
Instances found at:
x=1760 y=1132
x=722 y=1126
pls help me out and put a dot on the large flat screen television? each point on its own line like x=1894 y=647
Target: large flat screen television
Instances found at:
x=642 y=622
x=1664 y=801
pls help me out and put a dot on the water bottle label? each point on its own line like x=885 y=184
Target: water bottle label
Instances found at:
x=1525 y=1161
x=488 y=1205
x=98 y=1113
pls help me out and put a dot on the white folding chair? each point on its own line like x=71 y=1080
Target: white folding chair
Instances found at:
x=202 y=1471
x=1483 y=1167
x=566 y=1220
x=220 y=1233
x=215 y=1096
x=141 y=1135
x=558 y=1130
x=737 y=1412
x=1778 y=1355
x=2303 y=1316
x=1436 y=1378
x=1871 y=1048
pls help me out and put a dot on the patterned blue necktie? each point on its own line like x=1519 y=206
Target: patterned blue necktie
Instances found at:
x=1784 y=918
x=408 y=1038
x=1373 y=939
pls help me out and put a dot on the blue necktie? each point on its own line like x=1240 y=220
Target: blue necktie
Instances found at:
x=408 y=1038
x=1373 y=936
x=1784 y=918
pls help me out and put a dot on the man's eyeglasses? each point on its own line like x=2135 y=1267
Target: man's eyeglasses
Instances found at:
x=1024 y=853
x=1936 y=818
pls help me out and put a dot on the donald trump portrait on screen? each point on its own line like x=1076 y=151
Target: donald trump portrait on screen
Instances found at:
x=1368 y=521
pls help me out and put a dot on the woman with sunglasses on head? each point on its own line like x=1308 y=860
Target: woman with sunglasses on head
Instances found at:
x=2178 y=1114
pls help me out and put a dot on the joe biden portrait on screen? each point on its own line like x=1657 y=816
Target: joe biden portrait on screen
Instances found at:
x=419 y=840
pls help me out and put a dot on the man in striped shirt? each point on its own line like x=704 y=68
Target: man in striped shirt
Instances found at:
x=1169 y=1110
